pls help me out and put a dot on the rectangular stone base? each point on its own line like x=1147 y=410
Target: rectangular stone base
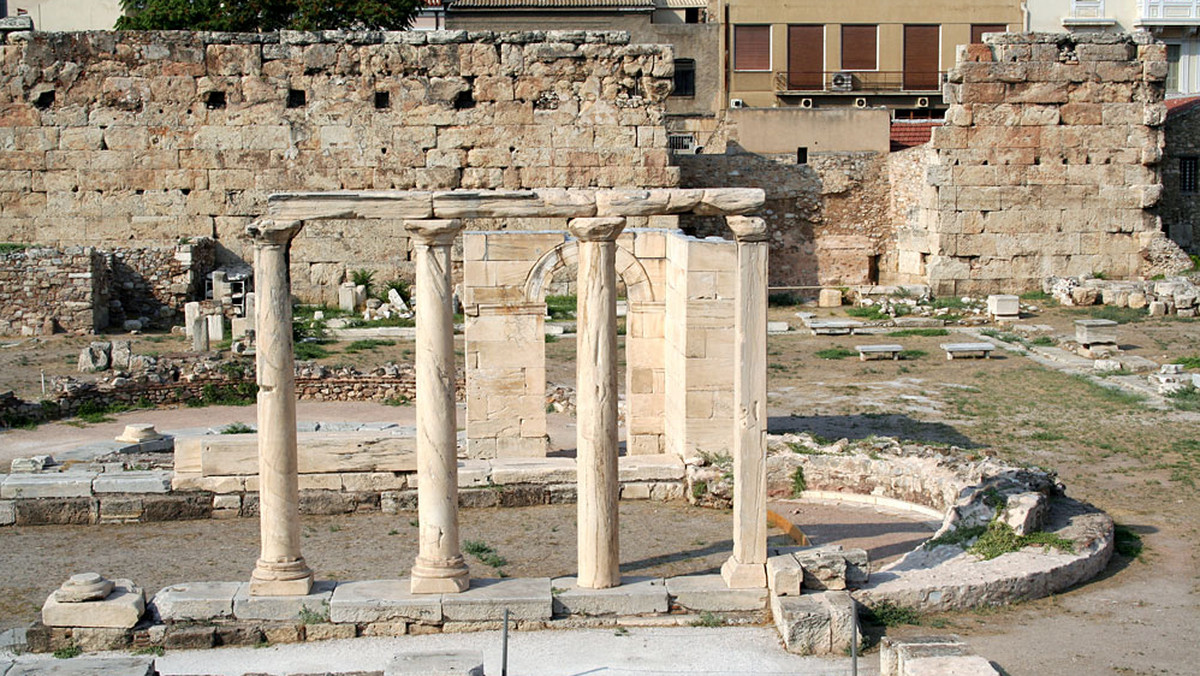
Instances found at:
x=121 y=609
x=284 y=608
x=634 y=596
x=709 y=593
x=525 y=598
x=383 y=601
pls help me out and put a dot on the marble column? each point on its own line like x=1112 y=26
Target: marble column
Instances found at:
x=596 y=402
x=747 y=566
x=439 y=567
x=281 y=570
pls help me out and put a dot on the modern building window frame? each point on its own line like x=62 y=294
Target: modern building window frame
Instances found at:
x=741 y=29
x=1189 y=183
x=685 y=75
x=1174 y=82
x=855 y=67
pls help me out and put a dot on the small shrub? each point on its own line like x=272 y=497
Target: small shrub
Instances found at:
x=401 y=287
x=93 y=411
x=68 y=652
x=310 y=616
x=1120 y=315
x=237 y=428
x=708 y=619
x=999 y=538
x=953 y=303
x=835 y=353
x=1043 y=341
x=1127 y=542
x=484 y=553
x=551 y=338
x=784 y=299
x=889 y=614
x=799 y=483
x=958 y=536
x=364 y=278
x=869 y=312
x=396 y=401
x=905 y=333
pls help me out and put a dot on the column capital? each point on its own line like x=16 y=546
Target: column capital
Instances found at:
x=747 y=228
x=604 y=229
x=267 y=231
x=434 y=231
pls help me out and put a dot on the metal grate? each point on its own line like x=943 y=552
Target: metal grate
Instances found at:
x=1187 y=173
x=685 y=143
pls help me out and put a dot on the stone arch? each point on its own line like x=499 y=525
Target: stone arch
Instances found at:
x=629 y=269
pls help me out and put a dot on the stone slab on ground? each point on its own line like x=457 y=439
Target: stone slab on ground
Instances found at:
x=486 y=600
x=383 y=601
x=64 y=485
x=195 y=601
x=533 y=471
x=121 y=609
x=282 y=608
x=710 y=593
x=8 y=513
x=664 y=467
x=154 y=481
x=82 y=666
x=959 y=665
x=634 y=596
x=436 y=663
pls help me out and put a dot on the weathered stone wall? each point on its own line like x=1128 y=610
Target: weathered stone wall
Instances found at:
x=153 y=283
x=1179 y=210
x=43 y=290
x=1048 y=164
x=827 y=218
x=140 y=139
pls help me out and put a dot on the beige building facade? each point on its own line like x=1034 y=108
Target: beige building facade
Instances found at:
x=66 y=15
x=810 y=53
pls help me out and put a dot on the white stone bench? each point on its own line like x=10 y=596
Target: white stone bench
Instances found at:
x=968 y=349
x=891 y=350
x=833 y=327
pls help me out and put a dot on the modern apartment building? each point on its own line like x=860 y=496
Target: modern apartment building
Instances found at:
x=1175 y=22
x=816 y=53
x=66 y=15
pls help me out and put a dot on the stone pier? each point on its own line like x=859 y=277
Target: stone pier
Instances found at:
x=747 y=566
x=281 y=570
x=596 y=406
x=439 y=567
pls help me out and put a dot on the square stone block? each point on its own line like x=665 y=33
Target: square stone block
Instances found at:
x=709 y=592
x=661 y=467
x=785 y=576
x=64 y=485
x=82 y=666
x=133 y=482
x=634 y=596
x=198 y=601
x=1090 y=332
x=282 y=608
x=525 y=599
x=381 y=601
x=121 y=609
x=1000 y=305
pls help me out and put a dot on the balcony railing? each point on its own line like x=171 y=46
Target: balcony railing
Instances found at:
x=1167 y=12
x=875 y=81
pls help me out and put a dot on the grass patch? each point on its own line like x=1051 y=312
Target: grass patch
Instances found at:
x=871 y=312
x=98 y=412
x=1111 y=395
x=561 y=307
x=905 y=333
x=1127 y=542
x=11 y=247
x=1120 y=315
x=999 y=538
x=1003 y=336
x=68 y=652
x=912 y=354
x=367 y=345
x=1191 y=362
x=958 y=536
x=310 y=351
x=1187 y=399
x=155 y=650
x=799 y=483
x=310 y=616
x=1037 y=297
x=950 y=302
x=484 y=553
x=888 y=614
x=237 y=428
x=804 y=450
x=1043 y=341
x=708 y=619
x=699 y=489
x=360 y=323
x=241 y=394
x=835 y=353
x=1046 y=435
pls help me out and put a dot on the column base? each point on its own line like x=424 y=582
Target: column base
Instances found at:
x=450 y=577
x=738 y=575
x=292 y=578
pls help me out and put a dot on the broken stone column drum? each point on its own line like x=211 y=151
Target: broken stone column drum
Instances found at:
x=596 y=402
x=439 y=567
x=281 y=570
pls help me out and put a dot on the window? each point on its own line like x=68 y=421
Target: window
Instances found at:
x=685 y=77
x=978 y=29
x=858 y=48
x=752 y=48
x=1173 y=53
x=1187 y=173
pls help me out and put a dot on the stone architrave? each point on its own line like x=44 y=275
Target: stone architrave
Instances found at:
x=596 y=402
x=439 y=567
x=747 y=566
x=280 y=570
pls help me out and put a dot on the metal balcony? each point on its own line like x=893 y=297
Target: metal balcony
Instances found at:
x=858 y=82
x=1168 y=12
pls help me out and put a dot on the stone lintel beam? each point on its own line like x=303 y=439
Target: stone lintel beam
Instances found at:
x=539 y=203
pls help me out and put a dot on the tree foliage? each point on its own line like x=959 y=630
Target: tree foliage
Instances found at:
x=251 y=16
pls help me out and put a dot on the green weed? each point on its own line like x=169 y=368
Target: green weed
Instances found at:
x=1191 y=362
x=310 y=351
x=868 y=312
x=1127 y=542
x=364 y=278
x=999 y=538
x=835 y=353
x=912 y=354
x=799 y=483
x=708 y=619
x=1187 y=399
x=484 y=553
x=905 y=333
x=156 y=650
x=366 y=345
x=237 y=428
x=68 y=652
x=889 y=614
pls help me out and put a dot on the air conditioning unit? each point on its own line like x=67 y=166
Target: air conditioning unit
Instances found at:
x=737 y=103
x=842 y=82
x=806 y=103
x=922 y=101
x=860 y=102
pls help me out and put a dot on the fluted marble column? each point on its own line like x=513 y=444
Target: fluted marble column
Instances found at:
x=747 y=566
x=439 y=567
x=280 y=570
x=596 y=402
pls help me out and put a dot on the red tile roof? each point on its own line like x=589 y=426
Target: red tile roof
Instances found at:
x=907 y=134
x=1181 y=104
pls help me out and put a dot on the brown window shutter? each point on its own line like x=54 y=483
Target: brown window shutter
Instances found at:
x=806 y=57
x=752 y=48
x=978 y=29
x=858 y=47
x=921 y=58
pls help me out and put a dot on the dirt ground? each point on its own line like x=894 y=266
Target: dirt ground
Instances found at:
x=1140 y=464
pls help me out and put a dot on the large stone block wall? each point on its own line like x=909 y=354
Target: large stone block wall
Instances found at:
x=1048 y=165
x=43 y=290
x=154 y=283
x=140 y=139
x=828 y=219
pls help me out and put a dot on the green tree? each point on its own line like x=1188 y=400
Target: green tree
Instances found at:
x=250 y=16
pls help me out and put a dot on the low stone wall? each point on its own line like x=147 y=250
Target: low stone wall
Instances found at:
x=43 y=290
x=153 y=283
x=1175 y=295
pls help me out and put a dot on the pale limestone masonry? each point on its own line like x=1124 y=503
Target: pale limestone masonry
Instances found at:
x=145 y=138
x=1047 y=165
